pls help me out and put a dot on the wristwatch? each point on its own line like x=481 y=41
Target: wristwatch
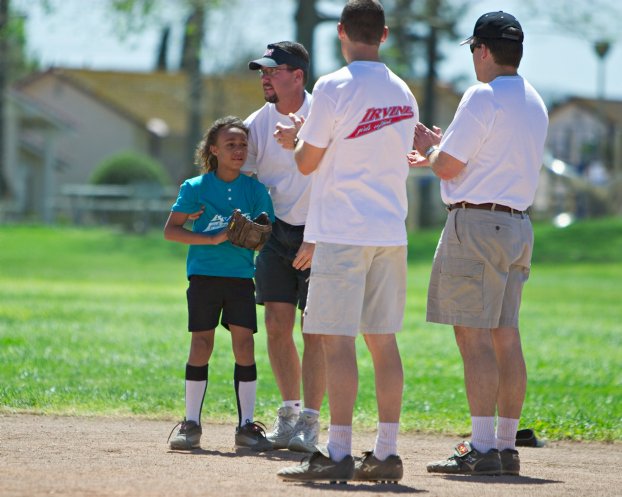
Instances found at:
x=430 y=150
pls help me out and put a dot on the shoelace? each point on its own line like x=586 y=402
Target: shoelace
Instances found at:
x=276 y=423
x=307 y=420
x=182 y=423
x=257 y=427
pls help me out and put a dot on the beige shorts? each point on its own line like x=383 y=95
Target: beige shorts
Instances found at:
x=481 y=264
x=356 y=289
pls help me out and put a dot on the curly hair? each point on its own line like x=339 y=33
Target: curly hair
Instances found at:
x=203 y=156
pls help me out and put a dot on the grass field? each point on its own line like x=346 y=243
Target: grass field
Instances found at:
x=92 y=321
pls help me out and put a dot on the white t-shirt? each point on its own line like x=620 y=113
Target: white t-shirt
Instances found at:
x=498 y=131
x=275 y=167
x=365 y=116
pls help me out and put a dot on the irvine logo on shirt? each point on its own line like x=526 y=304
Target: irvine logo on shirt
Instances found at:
x=376 y=118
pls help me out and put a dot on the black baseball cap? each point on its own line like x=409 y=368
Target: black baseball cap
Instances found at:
x=497 y=25
x=276 y=56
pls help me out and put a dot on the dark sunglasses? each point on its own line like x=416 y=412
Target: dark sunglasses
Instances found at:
x=473 y=46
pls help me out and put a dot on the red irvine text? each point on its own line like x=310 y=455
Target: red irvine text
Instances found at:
x=377 y=118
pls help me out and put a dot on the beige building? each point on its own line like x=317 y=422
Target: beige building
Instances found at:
x=583 y=131
x=585 y=158
x=91 y=115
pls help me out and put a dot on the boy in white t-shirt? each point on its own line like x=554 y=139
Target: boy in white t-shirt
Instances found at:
x=356 y=138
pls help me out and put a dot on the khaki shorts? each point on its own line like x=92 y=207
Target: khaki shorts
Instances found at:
x=481 y=264
x=356 y=288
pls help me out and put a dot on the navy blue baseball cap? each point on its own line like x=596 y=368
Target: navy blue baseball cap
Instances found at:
x=276 y=56
x=497 y=25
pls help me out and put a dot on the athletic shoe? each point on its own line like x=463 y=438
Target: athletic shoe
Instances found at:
x=510 y=462
x=468 y=461
x=320 y=467
x=306 y=433
x=527 y=438
x=252 y=436
x=283 y=428
x=188 y=437
x=369 y=468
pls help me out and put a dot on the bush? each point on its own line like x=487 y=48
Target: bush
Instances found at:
x=127 y=168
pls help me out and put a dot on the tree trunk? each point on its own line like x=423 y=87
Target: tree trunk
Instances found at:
x=191 y=64
x=428 y=115
x=403 y=39
x=4 y=79
x=161 y=64
x=306 y=21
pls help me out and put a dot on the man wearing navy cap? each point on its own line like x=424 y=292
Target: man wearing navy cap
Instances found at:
x=489 y=163
x=283 y=265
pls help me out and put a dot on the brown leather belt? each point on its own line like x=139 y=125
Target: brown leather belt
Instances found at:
x=486 y=207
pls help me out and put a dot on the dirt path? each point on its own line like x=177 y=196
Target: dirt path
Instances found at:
x=77 y=456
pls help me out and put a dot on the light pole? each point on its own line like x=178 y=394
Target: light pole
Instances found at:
x=602 y=48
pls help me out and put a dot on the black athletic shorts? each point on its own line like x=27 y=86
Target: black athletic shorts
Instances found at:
x=276 y=279
x=209 y=295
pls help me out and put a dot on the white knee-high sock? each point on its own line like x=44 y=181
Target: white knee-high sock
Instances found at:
x=196 y=386
x=245 y=380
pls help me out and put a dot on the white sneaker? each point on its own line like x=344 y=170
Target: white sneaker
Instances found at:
x=283 y=428
x=306 y=433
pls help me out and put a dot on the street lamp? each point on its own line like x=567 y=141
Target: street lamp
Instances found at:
x=602 y=48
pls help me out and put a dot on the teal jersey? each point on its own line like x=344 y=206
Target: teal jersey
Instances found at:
x=219 y=199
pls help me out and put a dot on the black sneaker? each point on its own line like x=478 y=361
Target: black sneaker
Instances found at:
x=468 y=461
x=188 y=437
x=510 y=462
x=527 y=438
x=369 y=468
x=320 y=467
x=252 y=436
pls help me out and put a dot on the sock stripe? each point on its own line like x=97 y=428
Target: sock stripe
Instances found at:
x=196 y=373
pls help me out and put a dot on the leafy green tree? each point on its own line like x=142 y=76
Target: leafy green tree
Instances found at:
x=135 y=14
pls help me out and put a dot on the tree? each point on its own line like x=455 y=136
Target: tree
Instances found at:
x=191 y=64
x=4 y=72
x=418 y=27
x=13 y=65
x=307 y=18
x=596 y=22
x=136 y=13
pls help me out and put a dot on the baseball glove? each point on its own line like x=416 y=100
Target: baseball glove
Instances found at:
x=246 y=233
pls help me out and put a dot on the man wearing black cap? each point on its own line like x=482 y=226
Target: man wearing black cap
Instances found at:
x=489 y=162
x=283 y=264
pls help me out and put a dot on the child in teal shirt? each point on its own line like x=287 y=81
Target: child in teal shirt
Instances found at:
x=220 y=276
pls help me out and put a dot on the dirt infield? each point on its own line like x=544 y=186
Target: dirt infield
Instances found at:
x=80 y=456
